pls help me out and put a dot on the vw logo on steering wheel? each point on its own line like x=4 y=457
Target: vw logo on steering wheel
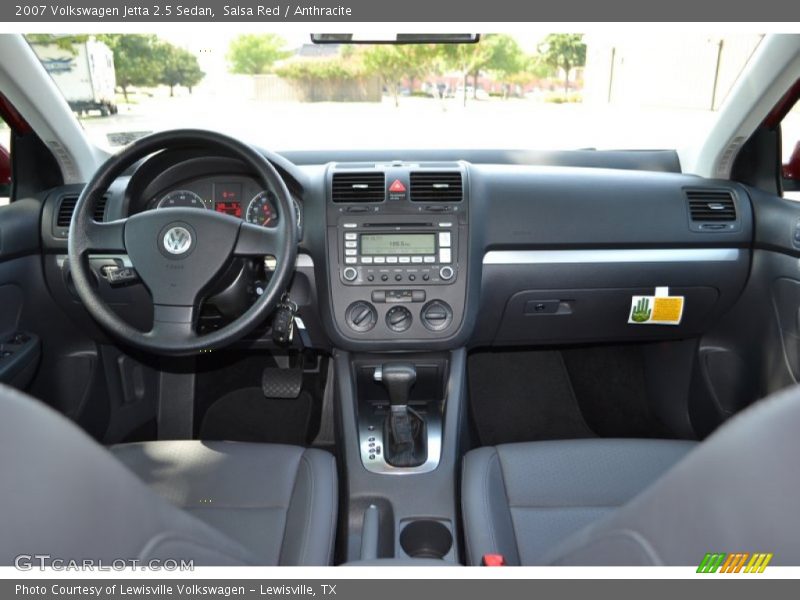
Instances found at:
x=177 y=240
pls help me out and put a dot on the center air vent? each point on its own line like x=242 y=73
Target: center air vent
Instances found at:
x=359 y=187
x=443 y=186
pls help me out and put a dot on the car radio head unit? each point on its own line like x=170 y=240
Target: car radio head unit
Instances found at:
x=375 y=253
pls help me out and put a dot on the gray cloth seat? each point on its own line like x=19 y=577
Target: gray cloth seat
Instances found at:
x=558 y=503
x=216 y=503
x=520 y=500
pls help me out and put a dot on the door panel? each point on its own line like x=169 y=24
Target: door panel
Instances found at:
x=755 y=349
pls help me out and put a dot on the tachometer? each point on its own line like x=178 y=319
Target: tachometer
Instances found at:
x=261 y=210
x=181 y=199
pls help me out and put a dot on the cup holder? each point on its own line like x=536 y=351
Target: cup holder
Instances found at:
x=426 y=539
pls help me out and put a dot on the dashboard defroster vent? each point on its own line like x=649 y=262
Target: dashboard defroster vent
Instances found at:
x=358 y=187
x=441 y=186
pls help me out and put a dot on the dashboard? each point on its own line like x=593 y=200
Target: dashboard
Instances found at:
x=436 y=251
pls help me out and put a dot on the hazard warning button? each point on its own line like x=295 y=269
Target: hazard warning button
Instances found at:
x=397 y=187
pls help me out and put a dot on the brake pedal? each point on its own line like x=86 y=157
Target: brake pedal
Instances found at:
x=282 y=383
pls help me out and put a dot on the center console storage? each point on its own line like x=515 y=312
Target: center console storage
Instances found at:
x=402 y=420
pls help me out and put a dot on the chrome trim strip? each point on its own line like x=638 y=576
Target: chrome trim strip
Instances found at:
x=649 y=255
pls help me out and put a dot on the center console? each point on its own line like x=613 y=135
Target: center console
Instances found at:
x=397 y=238
x=402 y=420
x=397 y=251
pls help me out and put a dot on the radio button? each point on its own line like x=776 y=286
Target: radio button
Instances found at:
x=430 y=259
x=405 y=259
x=350 y=260
x=416 y=259
x=444 y=239
x=351 y=236
x=367 y=260
x=445 y=255
x=351 y=244
x=391 y=259
x=379 y=260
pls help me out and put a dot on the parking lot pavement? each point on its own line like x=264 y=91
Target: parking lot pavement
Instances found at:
x=416 y=123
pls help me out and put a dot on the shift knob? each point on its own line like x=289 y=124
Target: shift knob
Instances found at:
x=398 y=378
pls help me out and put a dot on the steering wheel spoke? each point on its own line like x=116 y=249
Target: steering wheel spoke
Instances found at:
x=255 y=240
x=106 y=237
x=175 y=323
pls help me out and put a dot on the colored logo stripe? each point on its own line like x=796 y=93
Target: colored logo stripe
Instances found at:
x=758 y=563
x=735 y=562
x=710 y=563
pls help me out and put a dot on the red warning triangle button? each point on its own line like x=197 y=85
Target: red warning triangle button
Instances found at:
x=397 y=187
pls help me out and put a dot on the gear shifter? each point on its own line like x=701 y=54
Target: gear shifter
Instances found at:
x=404 y=431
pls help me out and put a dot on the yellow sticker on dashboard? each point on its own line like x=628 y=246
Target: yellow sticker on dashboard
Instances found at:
x=660 y=309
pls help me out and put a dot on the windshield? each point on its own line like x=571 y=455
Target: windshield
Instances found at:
x=537 y=91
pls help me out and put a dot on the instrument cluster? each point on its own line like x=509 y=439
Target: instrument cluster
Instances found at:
x=237 y=195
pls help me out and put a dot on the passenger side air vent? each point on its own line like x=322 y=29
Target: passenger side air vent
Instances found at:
x=711 y=210
x=359 y=187
x=65 y=209
x=442 y=186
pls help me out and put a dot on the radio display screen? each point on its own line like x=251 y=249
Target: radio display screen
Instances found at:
x=398 y=243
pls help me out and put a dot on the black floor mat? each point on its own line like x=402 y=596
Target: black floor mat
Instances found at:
x=523 y=396
x=609 y=384
x=245 y=415
x=223 y=381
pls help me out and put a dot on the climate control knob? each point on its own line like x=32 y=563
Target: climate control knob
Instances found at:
x=446 y=272
x=398 y=319
x=349 y=274
x=436 y=315
x=361 y=316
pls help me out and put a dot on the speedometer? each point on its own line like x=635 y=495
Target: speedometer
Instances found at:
x=181 y=199
x=261 y=210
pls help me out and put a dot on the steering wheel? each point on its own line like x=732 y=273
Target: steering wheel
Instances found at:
x=177 y=252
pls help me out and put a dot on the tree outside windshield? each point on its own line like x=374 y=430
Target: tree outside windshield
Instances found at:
x=559 y=90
